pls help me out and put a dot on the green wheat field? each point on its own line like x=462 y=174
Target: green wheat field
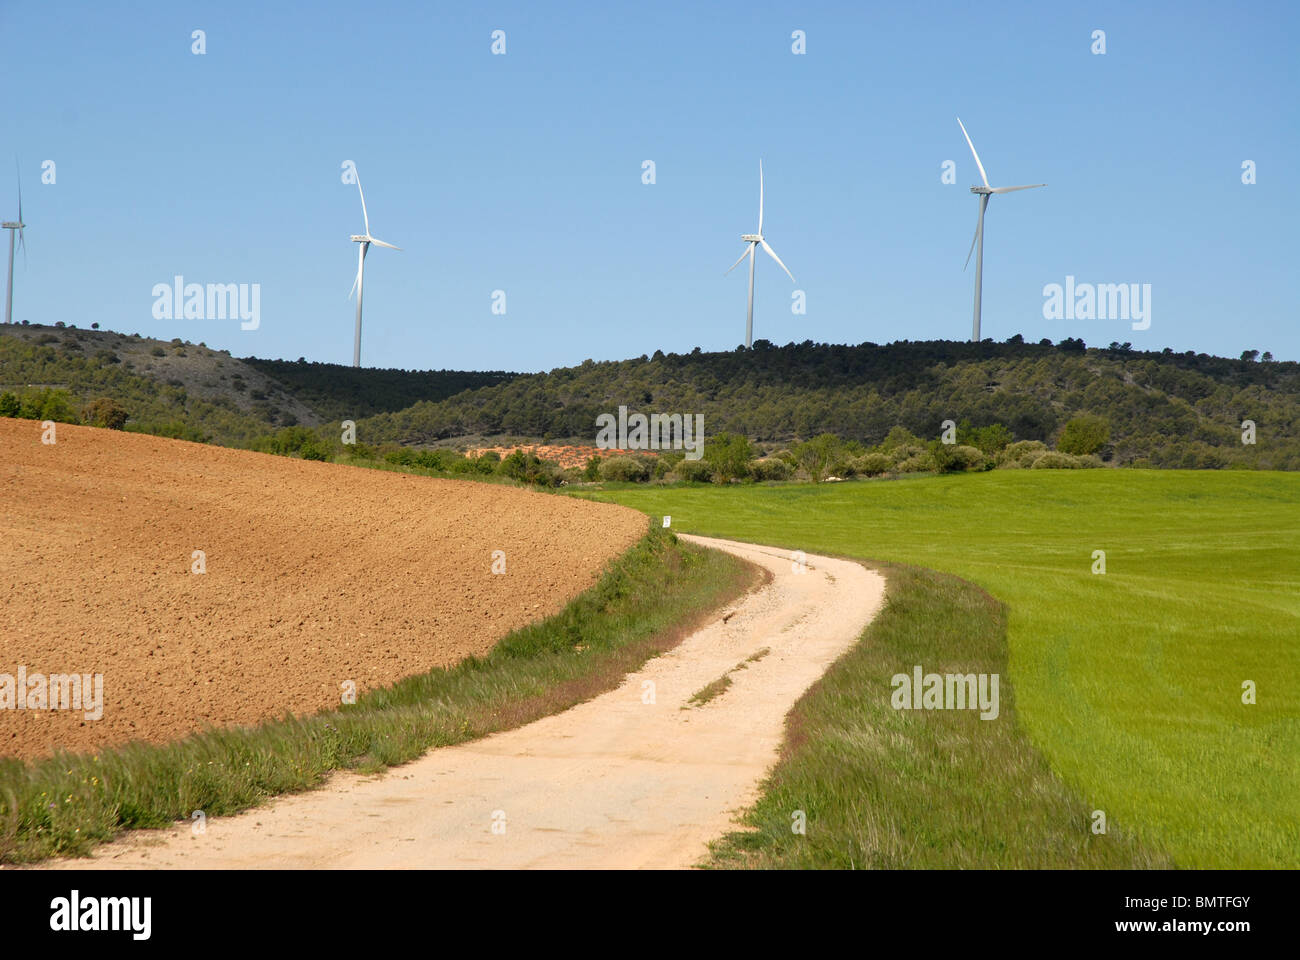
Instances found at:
x=1127 y=683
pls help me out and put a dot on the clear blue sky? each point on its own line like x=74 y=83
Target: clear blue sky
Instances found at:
x=523 y=172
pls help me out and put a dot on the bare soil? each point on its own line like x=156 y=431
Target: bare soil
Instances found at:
x=316 y=574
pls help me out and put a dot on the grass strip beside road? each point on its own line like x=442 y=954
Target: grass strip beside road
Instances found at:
x=645 y=602
x=912 y=789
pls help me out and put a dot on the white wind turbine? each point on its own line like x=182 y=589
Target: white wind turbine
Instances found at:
x=365 y=239
x=978 y=240
x=755 y=240
x=14 y=226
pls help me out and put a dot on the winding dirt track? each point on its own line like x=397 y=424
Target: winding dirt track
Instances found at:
x=613 y=782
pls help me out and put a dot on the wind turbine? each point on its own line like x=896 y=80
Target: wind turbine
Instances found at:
x=12 y=226
x=365 y=239
x=755 y=240
x=984 y=193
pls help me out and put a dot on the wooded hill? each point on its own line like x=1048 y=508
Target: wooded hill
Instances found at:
x=1161 y=409
x=1164 y=409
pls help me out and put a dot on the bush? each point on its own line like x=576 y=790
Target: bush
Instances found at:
x=1084 y=434
x=591 y=472
x=157 y=352
x=955 y=458
x=872 y=464
x=770 y=468
x=729 y=455
x=919 y=463
x=694 y=471
x=817 y=455
x=10 y=405
x=1056 y=461
x=105 y=412
x=896 y=438
x=1022 y=453
x=315 y=450
x=624 y=469
x=48 y=404
x=988 y=440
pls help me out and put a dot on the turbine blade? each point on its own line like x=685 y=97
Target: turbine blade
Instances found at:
x=361 y=259
x=983 y=175
x=1029 y=186
x=364 y=215
x=380 y=243
x=972 y=246
x=760 y=196
x=772 y=253
x=748 y=250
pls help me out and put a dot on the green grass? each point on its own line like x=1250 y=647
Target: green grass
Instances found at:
x=710 y=690
x=1129 y=684
x=889 y=789
x=644 y=603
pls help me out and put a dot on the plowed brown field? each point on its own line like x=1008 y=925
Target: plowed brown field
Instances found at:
x=317 y=574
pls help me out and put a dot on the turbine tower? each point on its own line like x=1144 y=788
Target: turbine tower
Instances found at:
x=14 y=226
x=984 y=193
x=755 y=240
x=365 y=239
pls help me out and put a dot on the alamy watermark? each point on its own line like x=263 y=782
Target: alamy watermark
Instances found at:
x=657 y=431
x=1098 y=301
x=56 y=691
x=946 y=691
x=214 y=301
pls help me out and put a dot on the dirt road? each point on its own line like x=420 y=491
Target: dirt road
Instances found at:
x=614 y=782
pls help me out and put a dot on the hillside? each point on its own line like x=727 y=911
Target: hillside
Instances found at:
x=348 y=393
x=181 y=389
x=1164 y=409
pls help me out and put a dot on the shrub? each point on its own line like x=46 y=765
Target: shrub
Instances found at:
x=624 y=469
x=1084 y=434
x=989 y=439
x=694 y=471
x=10 y=405
x=1022 y=453
x=105 y=412
x=157 y=352
x=955 y=458
x=898 y=437
x=872 y=464
x=818 y=454
x=770 y=468
x=591 y=472
x=919 y=463
x=48 y=404
x=729 y=455
x=1053 y=460
x=908 y=451
x=315 y=450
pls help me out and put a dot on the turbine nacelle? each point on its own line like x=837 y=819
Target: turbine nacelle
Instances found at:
x=983 y=190
x=752 y=237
